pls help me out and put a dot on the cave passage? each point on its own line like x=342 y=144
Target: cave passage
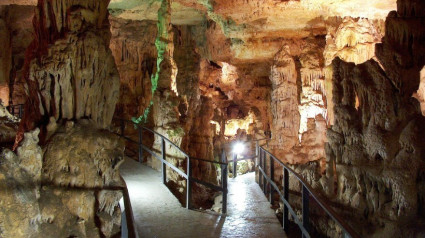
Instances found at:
x=317 y=104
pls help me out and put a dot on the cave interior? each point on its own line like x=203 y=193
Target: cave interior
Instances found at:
x=334 y=89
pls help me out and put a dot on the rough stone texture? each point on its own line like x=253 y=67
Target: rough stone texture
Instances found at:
x=19 y=2
x=90 y=164
x=16 y=36
x=420 y=94
x=133 y=47
x=298 y=105
x=5 y=58
x=354 y=40
x=20 y=189
x=250 y=25
x=377 y=144
x=65 y=189
x=82 y=181
x=70 y=70
x=73 y=186
x=22 y=33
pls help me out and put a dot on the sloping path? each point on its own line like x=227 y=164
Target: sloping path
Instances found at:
x=158 y=213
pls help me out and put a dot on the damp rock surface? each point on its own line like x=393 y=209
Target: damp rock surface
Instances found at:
x=62 y=189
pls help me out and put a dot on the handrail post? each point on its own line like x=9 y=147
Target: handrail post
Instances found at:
x=140 y=144
x=163 y=165
x=271 y=180
x=189 y=184
x=260 y=162
x=286 y=197
x=306 y=212
x=224 y=182
x=235 y=164
x=265 y=171
x=257 y=148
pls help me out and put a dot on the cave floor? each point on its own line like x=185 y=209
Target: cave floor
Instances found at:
x=159 y=214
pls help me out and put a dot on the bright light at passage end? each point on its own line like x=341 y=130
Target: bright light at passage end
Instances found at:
x=238 y=148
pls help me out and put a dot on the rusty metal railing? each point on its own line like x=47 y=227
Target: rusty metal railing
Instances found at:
x=164 y=163
x=268 y=185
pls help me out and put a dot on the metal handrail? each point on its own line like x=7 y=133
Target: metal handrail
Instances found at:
x=164 y=163
x=131 y=227
x=20 y=107
x=307 y=192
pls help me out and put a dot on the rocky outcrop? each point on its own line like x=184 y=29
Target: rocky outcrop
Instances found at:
x=420 y=94
x=72 y=187
x=133 y=47
x=20 y=176
x=82 y=182
x=299 y=106
x=354 y=40
x=17 y=35
x=376 y=142
x=70 y=70
x=5 y=58
x=69 y=185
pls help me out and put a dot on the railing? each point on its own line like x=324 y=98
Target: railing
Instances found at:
x=128 y=227
x=16 y=110
x=235 y=159
x=164 y=163
x=267 y=184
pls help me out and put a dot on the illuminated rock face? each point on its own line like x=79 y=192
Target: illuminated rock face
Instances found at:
x=133 y=47
x=377 y=147
x=420 y=94
x=70 y=70
x=338 y=103
x=299 y=103
x=64 y=177
x=354 y=40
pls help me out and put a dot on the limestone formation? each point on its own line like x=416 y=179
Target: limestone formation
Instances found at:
x=133 y=47
x=334 y=88
x=20 y=214
x=62 y=189
x=17 y=36
x=378 y=148
x=70 y=70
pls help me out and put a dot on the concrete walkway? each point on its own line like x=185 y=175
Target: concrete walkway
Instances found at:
x=158 y=213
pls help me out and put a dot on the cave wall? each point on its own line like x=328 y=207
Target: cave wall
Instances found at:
x=5 y=58
x=21 y=32
x=377 y=143
x=63 y=177
x=299 y=106
x=133 y=47
x=70 y=187
x=69 y=67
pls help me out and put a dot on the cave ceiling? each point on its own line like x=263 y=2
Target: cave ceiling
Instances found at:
x=251 y=25
x=251 y=30
x=255 y=17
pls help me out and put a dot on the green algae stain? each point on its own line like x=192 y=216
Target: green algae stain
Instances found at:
x=161 y=47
